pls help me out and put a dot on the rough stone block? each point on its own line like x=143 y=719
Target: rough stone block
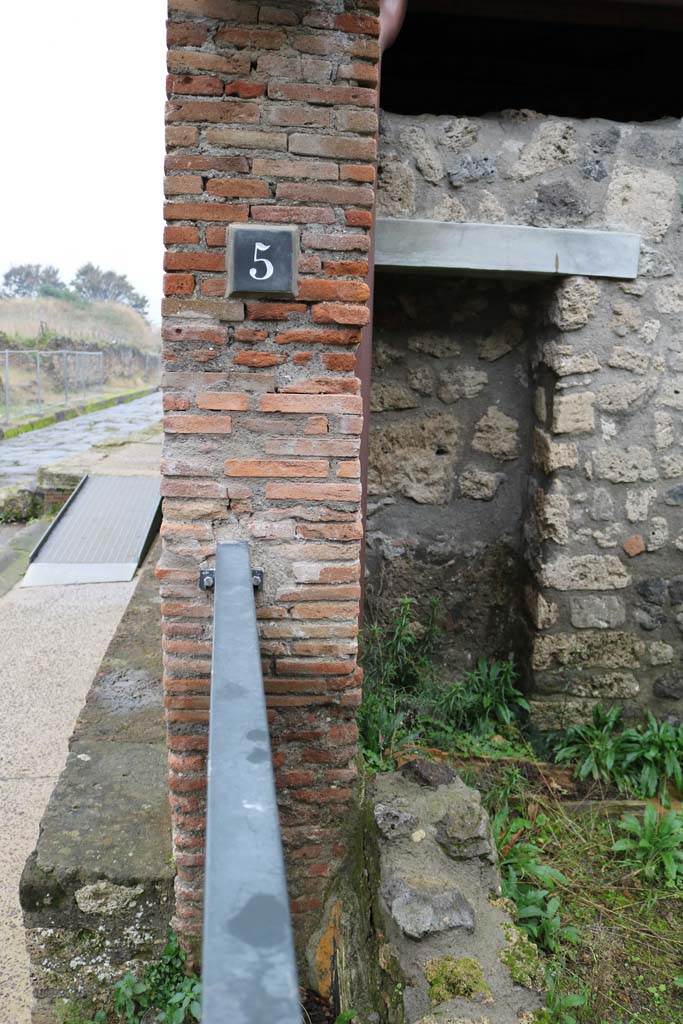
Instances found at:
x=642 y=200
x=585 y=572
x=497 y=435
x=573 y=413
x=597 y=612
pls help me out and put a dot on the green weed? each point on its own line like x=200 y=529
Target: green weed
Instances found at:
x=653 y=847
x=645 y=760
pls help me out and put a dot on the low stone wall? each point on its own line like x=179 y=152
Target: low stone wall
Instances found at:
x=532 y=434
x=97 y=892
x=421 y=895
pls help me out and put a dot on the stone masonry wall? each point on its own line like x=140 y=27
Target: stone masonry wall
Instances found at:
x=599 y=365
x=450 y=457
x=271 y=119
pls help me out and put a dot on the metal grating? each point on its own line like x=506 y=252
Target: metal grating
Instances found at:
x=101 y=534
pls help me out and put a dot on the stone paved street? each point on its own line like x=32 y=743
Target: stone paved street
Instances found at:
x=21 y=457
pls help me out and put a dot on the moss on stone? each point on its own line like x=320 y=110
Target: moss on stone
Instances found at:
x=522 y=959
x=449 y=978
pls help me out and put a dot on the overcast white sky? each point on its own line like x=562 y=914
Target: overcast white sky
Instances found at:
x=81 y=130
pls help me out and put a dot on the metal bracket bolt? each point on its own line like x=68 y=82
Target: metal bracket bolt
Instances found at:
x=207 y=579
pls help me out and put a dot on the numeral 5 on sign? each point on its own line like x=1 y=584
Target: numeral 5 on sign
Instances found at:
x=262 y=260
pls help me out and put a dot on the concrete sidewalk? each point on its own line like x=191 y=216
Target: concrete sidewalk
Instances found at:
x=52 y=640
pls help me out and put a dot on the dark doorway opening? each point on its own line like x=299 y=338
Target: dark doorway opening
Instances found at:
x=614 y=60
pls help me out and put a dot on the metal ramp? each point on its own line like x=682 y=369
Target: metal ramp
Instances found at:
x=101 y=535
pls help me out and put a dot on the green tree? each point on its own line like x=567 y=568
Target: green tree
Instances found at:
x=28 y=280
x=96 y=285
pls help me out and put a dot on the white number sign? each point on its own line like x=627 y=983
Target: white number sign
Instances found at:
x=268 y=269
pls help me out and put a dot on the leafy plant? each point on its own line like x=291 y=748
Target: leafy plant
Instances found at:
x=400 y=653
x=559 y=1004
x=653 y=847
x=164 y=986
x=538 y=911
x=347 y=1017
x=594 y=746
x=653 y=757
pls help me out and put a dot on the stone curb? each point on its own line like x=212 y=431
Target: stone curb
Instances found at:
x=74 y=411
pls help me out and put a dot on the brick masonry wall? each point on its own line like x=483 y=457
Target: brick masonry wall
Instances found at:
x=596 y=364
x=271 y=119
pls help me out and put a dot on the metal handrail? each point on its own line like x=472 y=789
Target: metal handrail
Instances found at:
x=248 y=964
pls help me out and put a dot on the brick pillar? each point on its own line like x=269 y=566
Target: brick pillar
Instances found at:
x=271 y=119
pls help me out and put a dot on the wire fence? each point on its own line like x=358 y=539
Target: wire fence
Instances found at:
x=37 y=382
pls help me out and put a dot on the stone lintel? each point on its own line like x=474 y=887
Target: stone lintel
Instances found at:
x=501 y=249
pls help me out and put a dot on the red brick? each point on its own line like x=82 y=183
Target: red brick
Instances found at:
x=194 y=85
x=333 y=95
x=277 y=16
x=258 y=38
x=351 y=291
x=358 y=218
x=293 y=214
x=350 y=424
x=178 y=284
x=339 y=195
x=317 y=425
x=313 y=492
x=313 y=667
x=183 y=184
x=242 y=138
x=319 y=169
x=333 y=446
x=309 y=264
x=192 y=489
x=330 y=531
x=258 y=359
x=340 y=313
x=340 y=243
x=194 y=261
x=319 y=43
x=294 y=779
x=214 y=286
x=180 y=234
x=198 y=424
x=273 y=310
x=339 y=361
x=250 y=334
x=357 y=172
x=227 y=401
x=195 y=162
x=227 y=9
x=359 y=71
x=301 y=358
x=191 y=60
x=183 y=33
x=238 y=188
x=298 y=115
x=317 y=336
x=364 y=24
x=216 y=111
x=192 y=333
x=175 y=403
x=323 y=386
x=226 y=212
x=634 y=546
x=349 y=470
x=314 y=593
x=345 y=268
x=245 y=90
x=310 y=403
x=271 y=468
x=181 y=135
